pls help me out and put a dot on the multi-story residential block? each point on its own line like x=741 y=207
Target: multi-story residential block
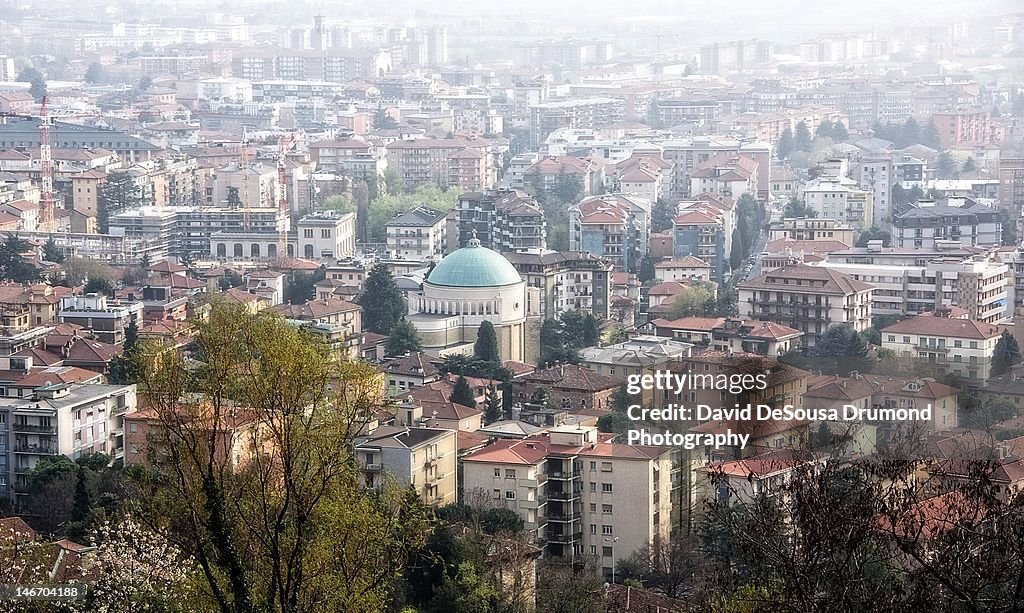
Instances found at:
x=700 y=232
x=765 y=338
x=615 y=227
x=339 y=320
x=686 y=155
x=60 y=419
x=425 y=161
x=224 y=89
x=840 y=199
x=965 y=220
x=962 y=348
x=966 y=125
x=327 y=235
x=646 y=176
x=727 y=176
x=1011 y=184
x=335 y=156
x=683 y=269
x=919 y=282
x=547 y=117
x=18 y=133
x=421 y=458
x=103 y=318
x=571 y=387
x=419 y=234
x=875 y=173
x=807 y=298
x=409 y=371
x=672 y=112
x=811 y=229
x=549 y=173
x=633 y=356
x=241 y=186
x=503 y=220
x=568 y=280
x=582 y=495
x=335 y=65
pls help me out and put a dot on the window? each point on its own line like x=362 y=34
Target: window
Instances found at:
x=606 y=487
x=510 y=494
x=606 y=552
x=497 y=472
x=497 y=494
x=606 y=529
x=606 y=509
x=593 y=487
x=593 y=550
x=325 y=233
x=593 y=528
x=593 y=507
x=593 y=466
x=307 y=233
x=510 y=473
x=606 y=467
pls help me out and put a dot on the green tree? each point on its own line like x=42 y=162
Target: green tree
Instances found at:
x=466 y=592
x=874 y=233
x=382 y=120
x=568 y=188
x=14 y=265
x=615 y=422
x=841 y=350
x=52 y=252
x=486 y=346
x=796 y=207
x=118 y=193
x=969 y=165
x=662 y=214
x=692 y=301
x=930 y=136
x=300 y=286
x=802 y=139
x=122 y=368
x=382 y=301
x=591 y=331
x=462 y=393
x=403 y=339
x=736 y=254
x=36 y=81
x=290 y=529
x=100 y=285
x=492 y=405
x=839 y=132
x=96 y=73
x=945 y=166
x=1006 y=354
x=786 y=144
x=81 y=511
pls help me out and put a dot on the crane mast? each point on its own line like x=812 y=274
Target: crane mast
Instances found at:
x=46 y=170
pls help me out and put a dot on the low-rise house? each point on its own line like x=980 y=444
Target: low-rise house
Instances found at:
x=750 y=336
x=571 y=387
x=405 y=372
x=633 y=356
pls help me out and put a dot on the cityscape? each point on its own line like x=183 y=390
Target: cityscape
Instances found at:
x=454 y=308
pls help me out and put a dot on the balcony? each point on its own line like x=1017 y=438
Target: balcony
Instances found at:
x=564 y=517
x=564 y=538
x=372 y=467
x=563 y=476
x=35 y=429
x=563 y=496
x=35 y=449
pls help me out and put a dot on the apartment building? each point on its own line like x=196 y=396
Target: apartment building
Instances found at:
x=546 y=117
x=811 y=229
x=334 y=65
x=966 y=125
x=916 y=282
x=701 y=232
x=327 y=235
x=584 y=496
x=875 y=173
x=807 y=298
x=60 y=419
x=615 y=227
x=426 y=161
x=568 y=280
x=673 y=112
x=840 y=199
x=502 y=220
x=1011 y=184
x=686 y=155
x=419 y=234
x=728 y=176
x=338 y=320
x=683 y=269
x=633 y=356
x=547 y=174
x=962 y=348
x=336 y=155
x=104 y=318
x=962 y=220
x=646 y=176
x=765 y=338
x=421 y=458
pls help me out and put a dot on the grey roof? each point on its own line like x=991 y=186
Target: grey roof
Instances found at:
x=421 y=216
x=26 y=131
x=401 y=437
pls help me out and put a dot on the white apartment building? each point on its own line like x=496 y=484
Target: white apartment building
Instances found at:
x=840 y=199
x=327 y=235
x=104 y=318
x=956 y=219
x=808 y=299
x=63 y=419
x=581 y=495
x=418 y=234
x=421 y=458
x=963 y=347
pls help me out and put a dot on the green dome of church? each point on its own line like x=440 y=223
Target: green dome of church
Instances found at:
x=474 y=266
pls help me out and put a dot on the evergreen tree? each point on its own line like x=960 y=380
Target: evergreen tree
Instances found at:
x=930 y=136
x=51 y=252
x=786 y=144
x=403 y=339
x=841 y=350
x=123 y=368
x=81 y=510
x=486 y=346
x=839 y=132
x=1005 y=355
x=662 y=215
x=802 y=139
x=910 y=134
x=492 y=405
x=14 y=266
x=591 y=331
x=382 y=301
x=462 y=394
x=118 y=193
x=969 y=165
x=736 y=255
x=945 y=166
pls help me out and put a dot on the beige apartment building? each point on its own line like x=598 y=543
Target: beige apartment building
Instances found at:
x=584 y=496
x=807 y=298
x=962 y=348
x=814 y=229
x=424 y=458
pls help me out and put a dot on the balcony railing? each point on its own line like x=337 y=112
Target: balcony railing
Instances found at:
x=563 y=496
x=37 y=449
x=564 y=517
x=564 y=475
x=565 y=538
x=35 y=428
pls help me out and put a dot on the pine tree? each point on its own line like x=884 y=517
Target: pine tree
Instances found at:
x=591 y=331
x=382 y=301
x=403 y=339
x=51 y=252
x=486 y=346
x=118 y=193
x=492 y=405
x=802 y=139
x=736 y=255
x=786 y=145
x=81 y=509
x=1005 y=355
x=122 y=369
x=462 y=394
x=969 y=165
x=839 y=132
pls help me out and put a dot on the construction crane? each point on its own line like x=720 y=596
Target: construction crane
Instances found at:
x=285 y=144
x=46 y=169
x=244 y=167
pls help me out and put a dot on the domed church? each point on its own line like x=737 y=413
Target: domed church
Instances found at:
x=467 y=287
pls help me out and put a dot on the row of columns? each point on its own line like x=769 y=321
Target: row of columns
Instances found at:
x=458 y=307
